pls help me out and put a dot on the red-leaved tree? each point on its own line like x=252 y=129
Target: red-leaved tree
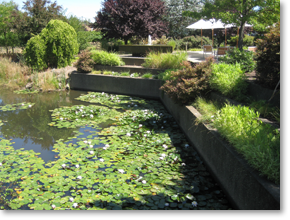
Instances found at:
x=127 y=18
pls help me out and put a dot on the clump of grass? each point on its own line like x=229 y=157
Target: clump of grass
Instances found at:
x=259 y=143
x=266 y=110
x=134 y=75
x=13 y=75
x=228 y=79
x=147 y=76
x=165 y=60
x=125 y=74
x=106 y=72
x=105 y=58
x=96 y=72
x=166 y=75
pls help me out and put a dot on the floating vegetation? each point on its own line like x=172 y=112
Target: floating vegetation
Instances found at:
x=12 y=107
x=140 y=161
x=26 y=91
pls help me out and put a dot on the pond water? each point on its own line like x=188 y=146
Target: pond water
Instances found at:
x=65 y=150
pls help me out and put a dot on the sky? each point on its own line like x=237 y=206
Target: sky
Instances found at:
x=86 y=9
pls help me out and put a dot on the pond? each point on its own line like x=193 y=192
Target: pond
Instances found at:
x=94 y=151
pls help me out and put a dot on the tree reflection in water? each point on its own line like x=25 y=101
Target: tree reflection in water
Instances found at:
x=29 y=128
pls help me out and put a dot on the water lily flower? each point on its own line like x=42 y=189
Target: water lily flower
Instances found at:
x=140 y=125
x=103 y=93
x=148 y=132
x=61 y=119
x=82 y=115
x=71 y=199
x=139 y=178
x=194 y=204
x=79 y=177
x=29 y=106
x=145 y=135
x=22 y=104
x=77 y=119
x=81 y=110
x=121 y=171
x=107 y=145
x=128 y=134
x=91 y=152
x=91 y=111
x=165 y=146
x=77 y=166
x=53 y=206
x=85 y=142
x=161 y=158
x=91 y=146
x=75 y=205
x=0 y=164
x=102 y=160
x=63 y=166
x=76 y=112
x=183 y=164
x=143 y=181
x=163 y=155
x=91 y=116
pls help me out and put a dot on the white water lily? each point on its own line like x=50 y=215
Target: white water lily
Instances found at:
x=139 y=178
x=77 y=119
x=0 y=164
x=163 y=155
x=121 y=171
x=82 y=115
x=194 y=204
x=161 y=158
x=71 y=199
x=128 y=134
x=89 y=142
x=79 y=177
x=75 y=205
x=91 y=111
x=63 y=166
x=91 y=152
x=107 y=145
x=29 y=106
x=53 y=206
x=76 y=112
x=61 y=119
x=102 y=160
x=22 y=104
x=165 y=146
x=143 y=181
x=85 y=142
x=103 y=93
x=77 y=166
x=145 y=135
x=140 y=125
x=91 y=146
x=91 y=116
x=183 y=164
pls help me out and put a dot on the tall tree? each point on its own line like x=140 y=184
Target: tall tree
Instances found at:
x=36 y=15
x=127 y=18
x=177 y=23
x=8 y=38
x=239 y=12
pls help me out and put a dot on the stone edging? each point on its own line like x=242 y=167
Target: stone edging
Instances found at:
x=244 y=187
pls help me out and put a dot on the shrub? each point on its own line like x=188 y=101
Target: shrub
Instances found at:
x=165 y=60
x=166 y=75
x=105 y=58
x=268 y=58
x=228 y=79
x=259 y=143
x=245 y=58
x=34 y=53
x=189 y=83
x=85 y=63
x=247 y=40
x=172 y=43
x=194 y=42
x=54 y=47
x=147 y=76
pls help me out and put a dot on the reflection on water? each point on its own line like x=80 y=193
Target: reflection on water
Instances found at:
x=29 y=128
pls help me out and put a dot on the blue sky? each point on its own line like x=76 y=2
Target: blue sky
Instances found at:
x=80 y=8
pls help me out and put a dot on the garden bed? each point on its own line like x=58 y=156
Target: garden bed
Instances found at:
x=245 y=188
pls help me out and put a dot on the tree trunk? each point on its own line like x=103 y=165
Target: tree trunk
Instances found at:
x=241 y=36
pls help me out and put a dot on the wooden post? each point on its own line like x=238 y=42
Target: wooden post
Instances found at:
x=225 y=37
x=238 y=37
x=201 y=37
x=212 y=37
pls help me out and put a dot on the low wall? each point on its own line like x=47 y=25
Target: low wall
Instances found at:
x=130 y=69
x=245 y=189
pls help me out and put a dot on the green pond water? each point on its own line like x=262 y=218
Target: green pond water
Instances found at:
x=95 y=151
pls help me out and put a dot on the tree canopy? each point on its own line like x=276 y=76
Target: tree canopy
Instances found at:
x=127 y=18
x=260 y=13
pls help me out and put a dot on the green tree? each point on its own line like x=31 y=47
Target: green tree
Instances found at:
x=8 y=37
x=260 y=13
x=58 y=40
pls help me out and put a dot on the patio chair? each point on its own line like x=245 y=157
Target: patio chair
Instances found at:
x=207 y=49
x=221 y=51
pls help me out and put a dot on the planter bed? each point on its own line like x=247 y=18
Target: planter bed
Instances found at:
x=244 y=187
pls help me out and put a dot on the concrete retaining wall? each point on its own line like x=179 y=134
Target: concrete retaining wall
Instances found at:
x=245 y=188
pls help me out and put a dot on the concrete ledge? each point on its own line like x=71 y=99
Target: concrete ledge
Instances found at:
x=130 y=69
x=246 y=190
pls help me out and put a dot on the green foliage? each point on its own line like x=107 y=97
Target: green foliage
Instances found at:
x=228 y=79
x=247 y=40
x=266 y=110
x=189 y=83
x=244 y=58
x=34 y=53
x=85 y=63
x=111 y=44
x=268 y=58
x=106 y=59
x=54 y=47
x=147 y=76
x=172 y=43
x=165 y=60
x=259 y=143
x=166 y=75
x=194 y=42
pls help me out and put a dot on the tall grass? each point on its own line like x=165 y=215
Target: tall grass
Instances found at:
x=105 y=58
x=165 y=60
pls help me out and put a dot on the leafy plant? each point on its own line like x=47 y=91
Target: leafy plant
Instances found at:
x=166 y=75
x=259 y=143
x=85 y=63
x=268 y=58
x=189 y=83
x=106 y=59
x=172 y=43
x=165 y=60
x=147 y=76
x=244 y=58
x=228 y=79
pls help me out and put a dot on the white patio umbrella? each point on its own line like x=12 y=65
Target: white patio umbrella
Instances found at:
x=209 y=24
